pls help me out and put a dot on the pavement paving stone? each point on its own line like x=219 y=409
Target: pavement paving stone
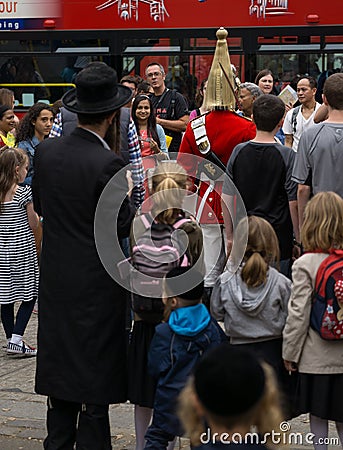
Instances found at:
x=22 y=411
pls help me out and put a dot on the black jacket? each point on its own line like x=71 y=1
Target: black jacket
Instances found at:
x=81 y=336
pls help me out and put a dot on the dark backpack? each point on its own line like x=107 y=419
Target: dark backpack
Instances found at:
x=326 y=313
x=159 y=249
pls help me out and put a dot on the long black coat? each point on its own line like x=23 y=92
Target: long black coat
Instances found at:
x=81 y=335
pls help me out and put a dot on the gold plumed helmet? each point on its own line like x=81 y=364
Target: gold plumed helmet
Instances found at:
x=219 y=93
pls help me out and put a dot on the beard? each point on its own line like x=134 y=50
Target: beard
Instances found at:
x=112 y=136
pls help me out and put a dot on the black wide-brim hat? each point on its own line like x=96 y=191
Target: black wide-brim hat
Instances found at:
x=97 y=91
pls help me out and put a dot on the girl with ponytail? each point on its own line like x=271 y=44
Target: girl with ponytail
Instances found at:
x=252 y=302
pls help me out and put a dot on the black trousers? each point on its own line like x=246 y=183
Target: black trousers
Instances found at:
x=157 y=439
x=70 y=423
x=18 y=325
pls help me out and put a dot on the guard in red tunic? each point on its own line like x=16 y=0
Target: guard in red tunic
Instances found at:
x=210 y=136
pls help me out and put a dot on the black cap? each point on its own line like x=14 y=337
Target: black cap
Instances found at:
x=229 y=381
x=191 y=287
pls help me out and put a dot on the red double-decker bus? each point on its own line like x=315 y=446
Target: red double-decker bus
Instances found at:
x=49 y=41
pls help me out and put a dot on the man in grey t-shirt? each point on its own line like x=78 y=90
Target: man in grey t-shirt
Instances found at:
x=319 y=161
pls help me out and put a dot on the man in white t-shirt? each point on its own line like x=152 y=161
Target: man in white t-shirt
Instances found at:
x=301 y=117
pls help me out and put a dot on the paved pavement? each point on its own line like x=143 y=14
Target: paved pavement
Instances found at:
x=22 y=412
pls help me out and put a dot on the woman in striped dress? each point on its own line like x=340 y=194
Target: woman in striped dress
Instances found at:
x=18 y=258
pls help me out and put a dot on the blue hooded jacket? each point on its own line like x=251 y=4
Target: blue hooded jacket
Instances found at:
x=175 y=349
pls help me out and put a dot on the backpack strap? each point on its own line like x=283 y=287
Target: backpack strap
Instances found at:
x=172 y=104
x=295 y=113
x=180 y=222
x=177 y=225
x=327 y=267
x=146 y=220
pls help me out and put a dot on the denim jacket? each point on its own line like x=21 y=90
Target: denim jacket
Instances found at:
x=29 y=146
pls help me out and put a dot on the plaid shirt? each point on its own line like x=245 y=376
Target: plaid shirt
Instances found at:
x=137 y=169
x=135 y=157
x=56 y=130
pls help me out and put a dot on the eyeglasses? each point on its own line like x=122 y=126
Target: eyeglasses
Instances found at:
x=154 y=74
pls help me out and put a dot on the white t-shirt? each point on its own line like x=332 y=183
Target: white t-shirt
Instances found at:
x=301 y=124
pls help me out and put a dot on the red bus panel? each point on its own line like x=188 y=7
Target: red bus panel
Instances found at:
x=146 y=14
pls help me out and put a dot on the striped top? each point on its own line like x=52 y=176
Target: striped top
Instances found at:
x=18 y=257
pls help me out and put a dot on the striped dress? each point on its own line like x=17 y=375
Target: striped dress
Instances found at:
x=18 y=258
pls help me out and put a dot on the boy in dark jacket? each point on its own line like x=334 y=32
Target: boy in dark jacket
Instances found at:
x=176 y=347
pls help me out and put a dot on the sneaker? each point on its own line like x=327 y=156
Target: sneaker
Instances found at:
x=35 y=308
x=21 y=349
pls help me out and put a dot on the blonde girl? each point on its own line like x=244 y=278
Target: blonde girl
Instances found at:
x=319 y=362
x=168 y=188
x=230 y=392
x=18 y=258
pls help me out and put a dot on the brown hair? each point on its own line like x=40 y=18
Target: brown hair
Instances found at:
x=6 y=97
x=262 y=250
x=333 y=91
x=129 y=79
x=262 y=74
x=10 y=159
x=266 y=415
x=323 y=218
x=169 y=182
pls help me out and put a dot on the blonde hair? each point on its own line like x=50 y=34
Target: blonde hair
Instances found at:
x=266 y=415
x=323 y=222
x=169 y=182
x=262 y=249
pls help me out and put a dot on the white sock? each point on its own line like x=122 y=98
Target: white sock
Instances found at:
x=172 y=444
x=339 y=428
x=319 y=427
x=16 y=339
x=142 y=421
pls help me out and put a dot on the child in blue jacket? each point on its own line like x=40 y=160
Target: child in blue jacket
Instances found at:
x=176 y=347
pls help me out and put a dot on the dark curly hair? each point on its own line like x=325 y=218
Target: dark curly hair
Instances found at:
x=26 y=129
x=151 y=125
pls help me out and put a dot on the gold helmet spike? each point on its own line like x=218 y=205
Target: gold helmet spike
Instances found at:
x=219 y=94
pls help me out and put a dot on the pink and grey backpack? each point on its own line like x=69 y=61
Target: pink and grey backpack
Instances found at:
x=159 y=249
x=327 y=305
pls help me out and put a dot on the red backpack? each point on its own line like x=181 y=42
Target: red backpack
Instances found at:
x=327 y=305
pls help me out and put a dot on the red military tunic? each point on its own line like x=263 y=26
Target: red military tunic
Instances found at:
x=225 y=129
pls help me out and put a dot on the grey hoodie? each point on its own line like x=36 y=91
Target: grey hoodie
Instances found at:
x=251 y=314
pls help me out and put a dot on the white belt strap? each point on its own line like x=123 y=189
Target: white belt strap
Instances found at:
x=203 y=201
x=200 y=134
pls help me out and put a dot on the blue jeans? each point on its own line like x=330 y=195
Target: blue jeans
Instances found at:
x=156 y=438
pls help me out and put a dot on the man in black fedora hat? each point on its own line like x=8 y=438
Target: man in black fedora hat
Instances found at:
x=81 y=361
